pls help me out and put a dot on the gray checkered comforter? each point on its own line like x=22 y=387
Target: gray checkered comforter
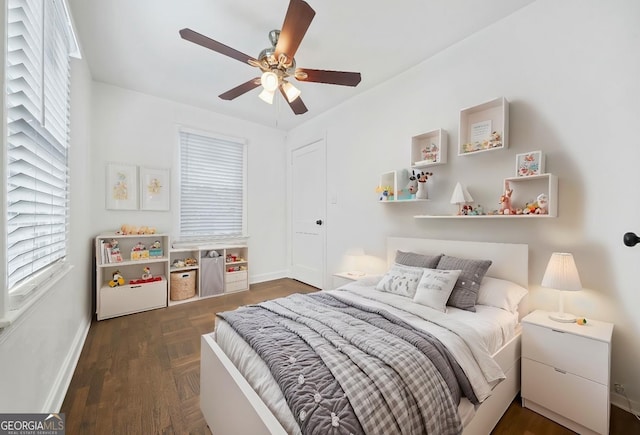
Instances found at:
x=349 y=369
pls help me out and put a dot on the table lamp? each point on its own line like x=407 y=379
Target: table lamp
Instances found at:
x=460 y=196
x=562 y=275
x=354 y=258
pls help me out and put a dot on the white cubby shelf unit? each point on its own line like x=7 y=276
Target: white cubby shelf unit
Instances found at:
x=209 y=275
x=477 y=123
x=130 y=296
x=398 y=184
x=429 y=149
x=525 y=190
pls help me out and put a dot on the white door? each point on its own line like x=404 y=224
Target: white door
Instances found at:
x=308 y=205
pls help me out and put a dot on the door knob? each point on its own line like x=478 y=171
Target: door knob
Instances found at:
x=319 y=222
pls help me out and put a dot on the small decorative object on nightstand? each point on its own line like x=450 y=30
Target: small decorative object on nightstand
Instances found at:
x=566 y=371
x=343 y=278
x=562 y=274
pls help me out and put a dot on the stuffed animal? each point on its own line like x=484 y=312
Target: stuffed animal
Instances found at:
x=117 y=279
x=146 y=273
x=424 y=176
x=543 y=204
x=495 y=140
x=412 y=185
x=505 y=200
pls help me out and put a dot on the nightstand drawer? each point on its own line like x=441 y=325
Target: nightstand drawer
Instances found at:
x=566 y=394
x=569 y=352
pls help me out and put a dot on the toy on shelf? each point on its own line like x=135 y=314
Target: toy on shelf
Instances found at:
x=178 y=264
x=155 y=250
x=117 y=279
x=126 y=230
x=114 y=252
x=540 y=206
x=543 y=204
x=146 y=277
x=430 y=153
x=146 y=273
x=505 y=200
x=139 y=252
x=422 y=184
x=412 y=185
x=494 y=141
x=386 y=192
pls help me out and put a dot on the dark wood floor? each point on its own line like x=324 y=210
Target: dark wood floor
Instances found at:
x=140 y=374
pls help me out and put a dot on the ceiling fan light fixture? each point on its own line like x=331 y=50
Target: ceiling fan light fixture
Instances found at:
x=290 y=91
x=269 y=81
x=266 y=96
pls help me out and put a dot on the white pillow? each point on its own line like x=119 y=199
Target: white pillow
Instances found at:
x=401 y=280
x=435 y=287
x=500 y=293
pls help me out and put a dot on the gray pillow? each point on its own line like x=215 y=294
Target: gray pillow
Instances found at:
x=417 y=260
x=465 y=292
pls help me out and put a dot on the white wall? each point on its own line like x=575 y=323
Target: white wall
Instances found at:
x=135 y=128
x=570 y=70
x=39 y=351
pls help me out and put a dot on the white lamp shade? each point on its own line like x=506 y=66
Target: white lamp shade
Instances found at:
x=290 y=91
x=269 y=81
x=266 y=96
x=460 y=195
x=562 y=273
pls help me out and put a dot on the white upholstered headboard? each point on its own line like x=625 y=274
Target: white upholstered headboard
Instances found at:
x=509 y=261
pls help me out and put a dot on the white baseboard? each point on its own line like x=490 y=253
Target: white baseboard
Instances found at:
x=621 y=402
x=263 y=277
x=61 y=385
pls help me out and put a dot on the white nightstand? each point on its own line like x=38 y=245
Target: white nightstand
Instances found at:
x=342 y=278
x=566 y=371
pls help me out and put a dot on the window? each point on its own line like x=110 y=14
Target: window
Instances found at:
x=212 y=187
x=39 y=43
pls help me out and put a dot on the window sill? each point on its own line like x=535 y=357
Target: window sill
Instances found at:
x=13 y=315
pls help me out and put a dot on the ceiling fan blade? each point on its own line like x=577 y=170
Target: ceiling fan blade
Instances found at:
x=297 y=105
x=343 y=78
x=197 y=38
x=296 y=23
x=239 y=90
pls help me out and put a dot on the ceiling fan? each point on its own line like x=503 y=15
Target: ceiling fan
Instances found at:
x=277 y=62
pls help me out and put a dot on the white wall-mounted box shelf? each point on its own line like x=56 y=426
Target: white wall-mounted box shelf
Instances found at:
x=429 y=149
x=525 y=190
x=477 y=125
x=398 y=185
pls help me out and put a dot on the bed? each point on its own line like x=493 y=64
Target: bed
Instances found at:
x=231 y=405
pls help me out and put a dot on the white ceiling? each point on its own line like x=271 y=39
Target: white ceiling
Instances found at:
x=135 y=44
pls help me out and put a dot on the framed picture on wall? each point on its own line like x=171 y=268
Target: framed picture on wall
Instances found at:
x=531 y=163
x=154 y=189
x=121 y=191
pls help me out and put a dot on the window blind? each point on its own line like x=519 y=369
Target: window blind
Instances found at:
x=212 y=187
x=38 y=97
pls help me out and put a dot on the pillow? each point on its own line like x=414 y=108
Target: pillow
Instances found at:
x=434 y=288
x=465 y=292
x=500 y=293
x=417 y=260
x=401 y=280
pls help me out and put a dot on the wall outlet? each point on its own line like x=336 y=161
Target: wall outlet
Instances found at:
x=618 y=388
